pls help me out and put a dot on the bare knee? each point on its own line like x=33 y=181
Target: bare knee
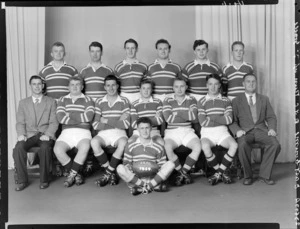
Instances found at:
x=121 y=143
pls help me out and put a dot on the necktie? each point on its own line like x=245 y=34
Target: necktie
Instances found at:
x=36 y=101
x=251 y=100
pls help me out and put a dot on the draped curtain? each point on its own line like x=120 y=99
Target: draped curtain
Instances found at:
x=25 y=35
x=267 y=32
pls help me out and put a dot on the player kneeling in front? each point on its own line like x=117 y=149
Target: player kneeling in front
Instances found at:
x=215 y=113
x=144 y=165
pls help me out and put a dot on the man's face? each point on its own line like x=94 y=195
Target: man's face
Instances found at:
x=163 y=51
x=201 y=52
x=179 y=87
x=58 y=53
x=95 y=53
x=250 y=84
x=144 y=130
x=213 y=86
x=130 y=50
x=75 y=87
x=238 y=52
x=111 y=87
x=146 y=90
x=36 y=86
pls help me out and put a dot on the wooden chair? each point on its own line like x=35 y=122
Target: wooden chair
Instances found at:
x=32 y=164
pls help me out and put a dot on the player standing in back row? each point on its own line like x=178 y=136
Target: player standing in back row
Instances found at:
x=95 y=72
x=57 y=73
x=163 y=71
x=130 y=72
x=197 y=70
x=234 y=72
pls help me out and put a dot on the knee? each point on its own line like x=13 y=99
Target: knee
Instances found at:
x=206 y=147
x=241 y=143
x=196 y=146
x=46 y=147
x=132 y=139
x=170 y=165
x=94 y=143
x=276 y=144
x=159 y=140
x=168 y=146
x=122 y=143
x=56 y=149
x=234 y=146
x=120 y=169
x=19 y=146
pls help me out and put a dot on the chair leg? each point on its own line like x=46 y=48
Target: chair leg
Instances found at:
x=16 y=175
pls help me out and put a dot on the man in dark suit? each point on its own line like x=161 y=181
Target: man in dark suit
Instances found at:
x=36 y=126
x=254 y=121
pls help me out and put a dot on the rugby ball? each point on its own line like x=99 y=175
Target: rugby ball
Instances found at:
x=145 y=168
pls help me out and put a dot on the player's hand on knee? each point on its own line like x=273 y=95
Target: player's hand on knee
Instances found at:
x=272 y=132
x=240 y=133
x=22 y=138
x=44 y=138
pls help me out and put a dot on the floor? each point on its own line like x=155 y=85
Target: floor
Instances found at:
x=195 y=203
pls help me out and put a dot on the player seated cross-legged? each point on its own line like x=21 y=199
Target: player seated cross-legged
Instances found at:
x=215 y=114
x=147 y=106
x=74 y=111
x=179 y=111
x=144 y=165
x=111 y=120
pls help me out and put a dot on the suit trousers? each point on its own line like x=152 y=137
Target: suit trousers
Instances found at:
x=271 y=151
x=45 y=157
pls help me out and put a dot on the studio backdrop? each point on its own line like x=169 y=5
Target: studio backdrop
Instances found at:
x=266 y=30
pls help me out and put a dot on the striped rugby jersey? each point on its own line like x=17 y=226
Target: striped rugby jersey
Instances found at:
x=180 y=115
x=149 y=109
x=94 y=80
x=234 y=78
x=57 y=80
x=112 y=113
x=130 y=75
x=196 y=74
x=78 y=114
x=136 y=151
x=214 y=111
x=163 y=78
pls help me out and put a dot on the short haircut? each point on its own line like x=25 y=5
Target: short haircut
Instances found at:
x=181 y=78
x=237 y=43
x=144 y=120
x=76 y=78
x=35 y=77
x=249 y=74
x=58 y=44
x=199 y=42
x=96 y=44
x=162 y=41
x=130 y=40
x=111 y=77
x=214 y=76
x=147 y=81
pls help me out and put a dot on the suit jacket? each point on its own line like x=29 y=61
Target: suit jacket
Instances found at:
x=44 y=120
x=242 y=118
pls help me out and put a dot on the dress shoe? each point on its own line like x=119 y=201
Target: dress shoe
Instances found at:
x=248 y=181
x=20 y=186
x=44 y=185
x=267 y=181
